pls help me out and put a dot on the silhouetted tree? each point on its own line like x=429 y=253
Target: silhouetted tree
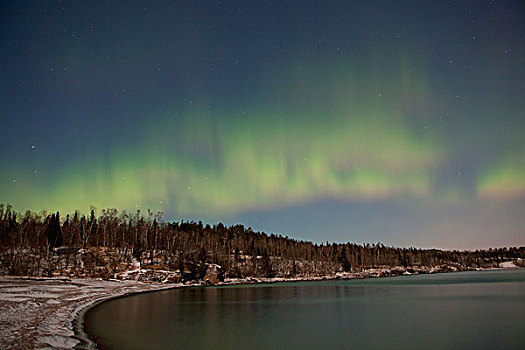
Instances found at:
x=53 y=231
x=343 y=260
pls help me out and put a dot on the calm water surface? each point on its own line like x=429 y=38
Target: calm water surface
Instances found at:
x=467 y=310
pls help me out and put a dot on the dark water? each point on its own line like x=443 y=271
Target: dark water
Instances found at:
x=467 y=310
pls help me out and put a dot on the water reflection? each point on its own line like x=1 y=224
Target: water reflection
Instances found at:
x=473 y=310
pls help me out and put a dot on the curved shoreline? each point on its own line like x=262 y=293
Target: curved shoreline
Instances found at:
x=50 y=312
x=78 y=325
x=280 y=315
x=81 y=334
x=86 y=342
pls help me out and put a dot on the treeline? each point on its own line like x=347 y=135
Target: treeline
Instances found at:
x=38 y=243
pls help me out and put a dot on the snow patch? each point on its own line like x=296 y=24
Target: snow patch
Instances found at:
x=41 y=313
x=508 y=265
x=58 y=342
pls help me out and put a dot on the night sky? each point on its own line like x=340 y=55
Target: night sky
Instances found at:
x=401 y=122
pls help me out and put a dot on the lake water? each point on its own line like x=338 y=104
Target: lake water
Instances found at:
x=467 y=310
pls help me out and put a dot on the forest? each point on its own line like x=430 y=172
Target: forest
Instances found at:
x=117 y=244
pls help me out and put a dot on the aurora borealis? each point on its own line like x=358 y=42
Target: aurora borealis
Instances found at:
x=400 y=122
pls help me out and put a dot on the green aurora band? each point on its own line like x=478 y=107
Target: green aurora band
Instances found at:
x=253 y=167
x=505 y=179
x=364 y=142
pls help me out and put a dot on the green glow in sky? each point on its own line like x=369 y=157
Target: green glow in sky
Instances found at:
x=357 y=145
x=366 y=142
x=399 y=122
x=505 y=179
x=254 y=166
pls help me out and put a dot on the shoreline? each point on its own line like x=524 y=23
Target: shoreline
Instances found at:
x=50 y=312
x=47 y=312
x=272 y=280
x=86 y=342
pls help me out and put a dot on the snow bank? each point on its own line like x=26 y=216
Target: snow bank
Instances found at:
x=41 y=313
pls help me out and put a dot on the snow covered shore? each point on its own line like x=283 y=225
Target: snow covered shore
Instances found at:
x=47 y=313
x=39 y=313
